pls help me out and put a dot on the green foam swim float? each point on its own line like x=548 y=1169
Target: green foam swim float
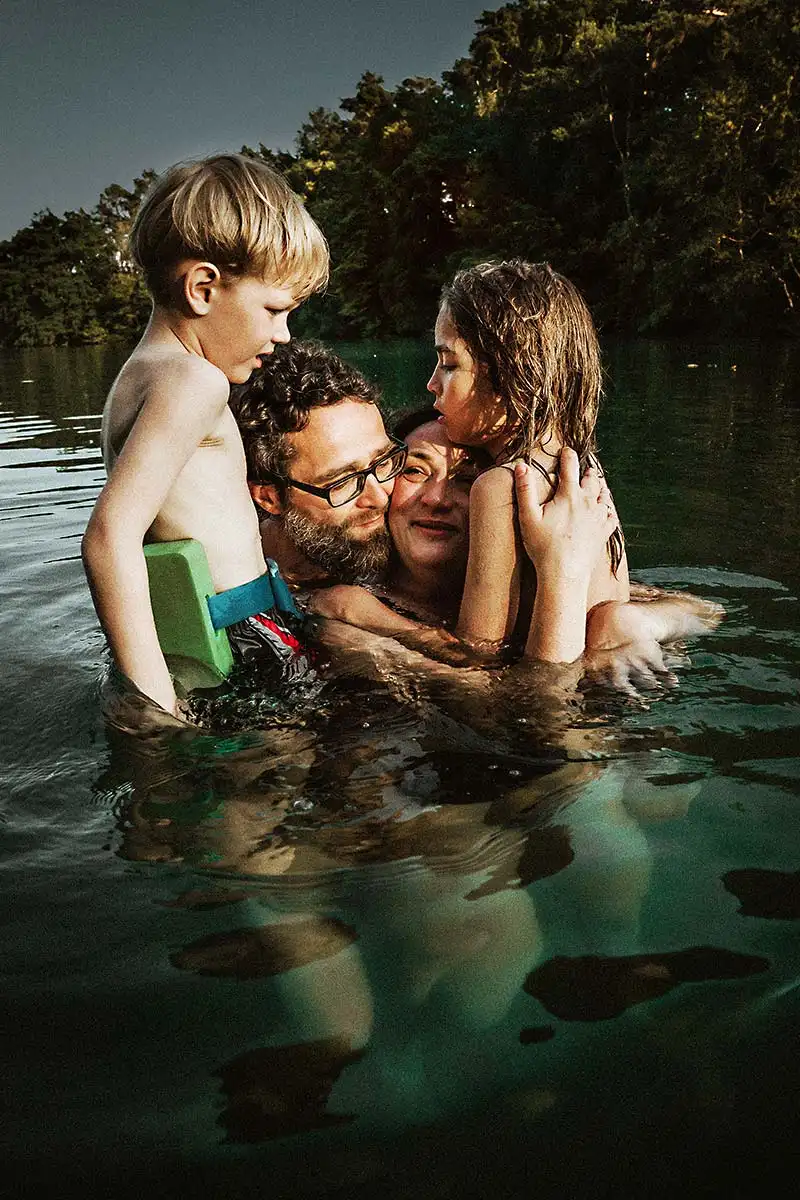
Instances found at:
x=197 y=654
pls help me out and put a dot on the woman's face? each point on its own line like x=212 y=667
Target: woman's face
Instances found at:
x=474 y=414
x=429 y=510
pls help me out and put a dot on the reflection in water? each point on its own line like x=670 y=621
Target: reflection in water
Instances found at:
x=276 y=1091
x=385 y=878
x=301 y=954
x=268 y=950
x=595 y=989
x=774 y=895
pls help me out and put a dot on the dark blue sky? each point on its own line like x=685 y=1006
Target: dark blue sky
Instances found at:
x=92 y=92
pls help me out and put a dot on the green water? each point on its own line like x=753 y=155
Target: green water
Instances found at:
x=371 y=952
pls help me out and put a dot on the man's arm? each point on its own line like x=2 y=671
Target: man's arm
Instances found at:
x=356 y=606
x=183 y=407
x=651 y=614
x=624 y=642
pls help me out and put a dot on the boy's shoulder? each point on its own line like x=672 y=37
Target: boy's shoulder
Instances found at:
x=160 y=378
x=151 y=365
x=165 y=375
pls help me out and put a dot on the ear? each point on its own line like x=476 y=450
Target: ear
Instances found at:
x=266 y=496
x=200 y=283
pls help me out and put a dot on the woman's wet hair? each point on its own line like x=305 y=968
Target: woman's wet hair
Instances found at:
x=533 y=332
x=410 y=419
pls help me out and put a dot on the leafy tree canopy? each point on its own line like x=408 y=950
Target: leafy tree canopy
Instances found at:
x=649 y=149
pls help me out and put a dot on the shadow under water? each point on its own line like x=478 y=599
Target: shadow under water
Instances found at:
x=380 y=930
x=394 y=941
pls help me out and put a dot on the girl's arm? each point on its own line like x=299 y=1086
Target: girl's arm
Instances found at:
x=562 y=536
x=490 y=601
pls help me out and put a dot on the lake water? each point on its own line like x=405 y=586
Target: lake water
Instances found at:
x=365 y=951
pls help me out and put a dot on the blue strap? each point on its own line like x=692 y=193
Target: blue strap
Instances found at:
x=269 y=592
x=284 y=600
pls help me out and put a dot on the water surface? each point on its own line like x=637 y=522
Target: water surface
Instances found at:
x=371 y=949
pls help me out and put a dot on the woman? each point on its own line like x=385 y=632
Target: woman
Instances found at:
x=429 y=521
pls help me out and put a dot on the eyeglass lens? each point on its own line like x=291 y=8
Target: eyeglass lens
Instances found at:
x=384 y=469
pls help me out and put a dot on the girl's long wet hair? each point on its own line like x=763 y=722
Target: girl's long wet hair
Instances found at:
x=530 y=327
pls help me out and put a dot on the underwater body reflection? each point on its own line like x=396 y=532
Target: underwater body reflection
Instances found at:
x=415 y=909
x=370 y=949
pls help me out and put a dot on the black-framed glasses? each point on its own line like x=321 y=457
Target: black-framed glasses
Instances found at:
x=343 y=490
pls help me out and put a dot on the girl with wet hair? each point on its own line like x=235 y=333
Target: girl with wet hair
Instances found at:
x=518 y=374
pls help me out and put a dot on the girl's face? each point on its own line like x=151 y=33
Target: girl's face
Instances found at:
x=473 y=414
x=429 y=510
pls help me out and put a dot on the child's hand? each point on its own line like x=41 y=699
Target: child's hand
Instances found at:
x=569 y=532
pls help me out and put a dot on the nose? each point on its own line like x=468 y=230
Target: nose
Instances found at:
x=433 y=384
x=375 y=495
x=280 y=330
x=436 y=494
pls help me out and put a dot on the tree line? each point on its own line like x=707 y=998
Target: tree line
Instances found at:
x=648 y=149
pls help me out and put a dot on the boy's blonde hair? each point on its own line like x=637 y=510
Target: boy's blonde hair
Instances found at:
x=235 y=212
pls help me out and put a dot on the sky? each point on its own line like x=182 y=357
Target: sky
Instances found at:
x=93 y=92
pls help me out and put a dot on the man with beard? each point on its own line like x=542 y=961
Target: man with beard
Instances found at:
x=320 y=463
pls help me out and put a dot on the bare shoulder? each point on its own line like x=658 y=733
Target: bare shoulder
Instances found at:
x=183 y=376
x=163 y=389
x=495 y=486
x=155 y=373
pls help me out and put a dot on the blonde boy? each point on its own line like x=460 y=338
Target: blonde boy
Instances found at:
x=227 y=251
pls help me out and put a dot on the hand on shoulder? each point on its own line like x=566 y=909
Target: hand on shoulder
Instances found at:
x=568 y=532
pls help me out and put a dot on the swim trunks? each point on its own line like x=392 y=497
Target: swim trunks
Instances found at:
x=264 y=626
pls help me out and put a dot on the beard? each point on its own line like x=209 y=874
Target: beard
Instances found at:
x=336 y=550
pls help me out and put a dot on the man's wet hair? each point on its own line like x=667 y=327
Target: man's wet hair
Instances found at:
x=278 y=399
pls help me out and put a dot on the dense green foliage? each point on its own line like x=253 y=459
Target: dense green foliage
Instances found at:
x=649 y=149
x=67 y=280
